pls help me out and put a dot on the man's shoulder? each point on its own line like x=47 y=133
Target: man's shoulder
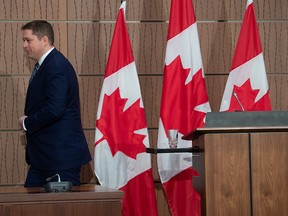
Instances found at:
x=56 y=58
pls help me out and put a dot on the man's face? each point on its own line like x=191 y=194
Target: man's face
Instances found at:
x=34 y=47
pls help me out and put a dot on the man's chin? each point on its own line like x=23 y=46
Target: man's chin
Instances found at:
x=30 y=57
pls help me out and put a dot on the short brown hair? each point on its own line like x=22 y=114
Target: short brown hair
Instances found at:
x=40 y=28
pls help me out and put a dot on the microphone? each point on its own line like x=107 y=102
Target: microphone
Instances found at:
x=57 y=186
x=50 y=178
x=235 y=95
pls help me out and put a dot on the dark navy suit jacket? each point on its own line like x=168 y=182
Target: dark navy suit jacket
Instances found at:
x=55 y=138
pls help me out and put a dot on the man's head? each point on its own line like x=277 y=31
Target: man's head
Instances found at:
x=38 y=38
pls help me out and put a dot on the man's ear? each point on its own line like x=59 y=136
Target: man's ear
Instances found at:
x=45 y=40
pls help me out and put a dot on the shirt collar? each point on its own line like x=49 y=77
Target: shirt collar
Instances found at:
x=44 y=56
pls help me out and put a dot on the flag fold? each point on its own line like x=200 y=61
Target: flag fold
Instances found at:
x=247 y=86
x=121 y=136
x=184 y=105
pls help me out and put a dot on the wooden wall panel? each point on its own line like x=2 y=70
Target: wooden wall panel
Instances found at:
x=12 y=57
x=153 y=136
x=234 y=10
x=61 y=32
x=276 y=9
x=162 y=205
x=274 y=39
x=13 y=168
x=12 y=60
x=12 y=99
x=92 y=10
x=149 y=44
x=89 y=45
x=278 y=84
x=107 y=10
x=30 y=9
x=151 y=88
x=89 y=56
x=217 y=42
x=151 y=10
x=87 y=172
x=90 y=89
x=13 y=90
x=219 y=9
x=215 y=85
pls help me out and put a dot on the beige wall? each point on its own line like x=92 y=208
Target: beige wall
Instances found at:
x=83 y=33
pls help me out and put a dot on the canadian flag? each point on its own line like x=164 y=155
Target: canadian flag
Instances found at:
x=247 y=86
x=184 y=105
x=121 y=135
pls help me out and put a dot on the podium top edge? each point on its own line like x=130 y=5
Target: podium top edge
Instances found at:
x=250 y=129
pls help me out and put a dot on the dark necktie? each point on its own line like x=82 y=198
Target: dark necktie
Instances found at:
x=34 y=71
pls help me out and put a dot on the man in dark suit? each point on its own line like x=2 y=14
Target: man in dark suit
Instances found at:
x=55 y=139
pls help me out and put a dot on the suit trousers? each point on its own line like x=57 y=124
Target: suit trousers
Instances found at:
x=37 y=177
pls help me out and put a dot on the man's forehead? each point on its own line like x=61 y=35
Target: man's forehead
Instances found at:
x=27 y=33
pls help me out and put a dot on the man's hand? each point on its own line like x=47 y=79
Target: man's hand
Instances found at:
x=21 y=122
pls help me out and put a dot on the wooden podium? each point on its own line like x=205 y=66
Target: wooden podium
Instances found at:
x=244 y=169
x=84 y=200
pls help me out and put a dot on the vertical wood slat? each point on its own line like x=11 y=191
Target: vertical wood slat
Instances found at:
x=227 y=174
x=269 y=153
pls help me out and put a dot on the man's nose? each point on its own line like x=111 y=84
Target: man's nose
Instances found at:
x=24 y=44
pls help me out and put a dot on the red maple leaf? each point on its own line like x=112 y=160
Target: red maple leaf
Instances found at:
x=246 y=96
x=179 y=99
x=118 y=127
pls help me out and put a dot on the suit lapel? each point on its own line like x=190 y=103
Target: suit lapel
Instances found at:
x=38 y=74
